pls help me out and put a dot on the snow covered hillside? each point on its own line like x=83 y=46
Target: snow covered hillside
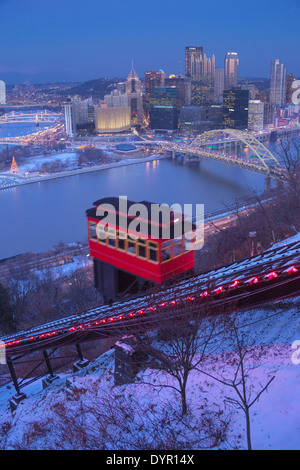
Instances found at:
x=87 y=410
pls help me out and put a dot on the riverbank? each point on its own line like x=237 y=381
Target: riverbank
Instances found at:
x=22 y=180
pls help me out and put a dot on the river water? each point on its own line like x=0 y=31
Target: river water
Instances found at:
x=36 y=216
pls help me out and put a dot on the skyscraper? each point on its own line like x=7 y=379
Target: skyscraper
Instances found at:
x=219 y=85
x=159 y=75
x=277 y=83
x=76 y=113
x=163 y=108
x=200 y=70
x=202 y=91
x=134 y=92
x=2 y=92
x=256 y=115
x=152 y=78
x=235 y=108
x=193 y=55
x=231 y=70
x=180 y=83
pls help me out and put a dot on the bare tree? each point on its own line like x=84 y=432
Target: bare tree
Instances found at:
x=240 y=378
x=183 y=341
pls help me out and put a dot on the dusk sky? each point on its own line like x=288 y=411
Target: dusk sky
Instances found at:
x=75 y=40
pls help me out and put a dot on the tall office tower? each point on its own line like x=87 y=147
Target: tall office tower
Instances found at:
x=193 y=120
x=163 y=118
x=202 y=91
x=197 y=64
x=134 y=92
x=289 y=87
x=277 y=83
x=193 y=55
x=69 y=119
x=231 y=70
x=205 y=66
x=269 y=115
x=157 y=74
x=180 y=84
x=256 y=115
x=152 y=78
x=219 y=85
x=2 y=92
x=77 y=114
x=200 y=70
x=163 y=108
x=164 y=96
x=235 y=109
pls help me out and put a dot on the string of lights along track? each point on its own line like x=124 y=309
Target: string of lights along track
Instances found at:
x=266 y=272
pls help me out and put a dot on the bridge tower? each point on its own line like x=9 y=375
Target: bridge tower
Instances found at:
x=37 y=120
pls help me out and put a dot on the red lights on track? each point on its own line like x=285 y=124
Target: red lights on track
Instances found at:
x=291 y=270
x=271 y=276
x=156 y=308
x=219 y=290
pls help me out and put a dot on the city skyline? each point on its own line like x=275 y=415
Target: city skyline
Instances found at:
x=65 y=42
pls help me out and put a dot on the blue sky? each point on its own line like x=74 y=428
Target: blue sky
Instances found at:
x=82 y=40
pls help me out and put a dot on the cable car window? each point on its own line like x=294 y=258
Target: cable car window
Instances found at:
x=101 y=233
x=153 y=251
x=141 y=248
x=121 y=240
x=166 y=251
x=177 y=247
x=111 y=237
x=93 y=231
x=131 y=246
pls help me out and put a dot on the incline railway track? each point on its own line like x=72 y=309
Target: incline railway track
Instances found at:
x=263 y=278
x=272 y=275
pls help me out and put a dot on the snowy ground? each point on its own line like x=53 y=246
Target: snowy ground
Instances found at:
x=86 y=410
x=29 y=172
x=35 y=163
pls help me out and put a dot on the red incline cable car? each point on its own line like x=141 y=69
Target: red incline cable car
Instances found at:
x=136 y=244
